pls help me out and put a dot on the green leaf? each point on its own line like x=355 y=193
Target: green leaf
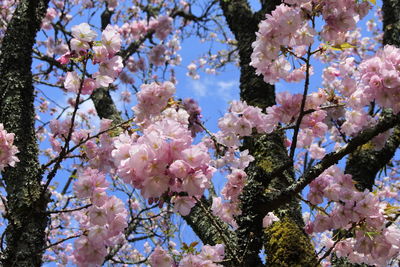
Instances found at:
x=339 y=47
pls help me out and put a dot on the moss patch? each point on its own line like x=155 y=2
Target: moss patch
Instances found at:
x=288 y=245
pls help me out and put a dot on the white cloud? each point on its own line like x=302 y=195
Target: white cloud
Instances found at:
x=214 y=87
x=227 y=90
x=199 y=87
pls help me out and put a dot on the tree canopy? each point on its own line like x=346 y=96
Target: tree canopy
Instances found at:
x=104 y=161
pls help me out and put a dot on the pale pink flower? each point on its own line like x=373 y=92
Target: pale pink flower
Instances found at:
x=83 y=32
x=160 y=258
x=111 y=39
x=269 y=219
x=7 y=149
x=72 y=82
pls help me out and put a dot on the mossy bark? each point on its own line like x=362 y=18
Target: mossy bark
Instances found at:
x=286 y=245
x=26 y=203
x=391 y=22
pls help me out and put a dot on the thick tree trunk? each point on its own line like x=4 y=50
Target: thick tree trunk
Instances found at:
x=269 y=153
x=26 y=204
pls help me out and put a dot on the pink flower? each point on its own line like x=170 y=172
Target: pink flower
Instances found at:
x=111 y=67
x=157 y=55
x=102 y=80
x=163 y=27
x=179 y=168
x=155 y=186
x=269 y=219
x=88 y=86
x=183 y=205
x=316 y=151
x=160 y=258
x=212 y=253
x=98 y=216
x=64 y=59
x=83 y=32
x=72 y=82
x=7 y=149
x=194 y=184
x=79 y=45
x=111 y=40
x=100 y=54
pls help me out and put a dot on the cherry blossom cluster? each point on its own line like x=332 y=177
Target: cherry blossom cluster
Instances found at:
x=340 y=16
x=362 y=212
x=209 y=256
x=162 y=27
x=286 y=31
x=103 y=54
x=51 y=14
x=59 y=131
x=313 y=125
x=285 y=26
x=380 y=80
x=238 y=122
x=152 y=100
x=235 y=161
x=374 y=79
x=162 y=161
x=98 y=152
x=103 y=223
x=60 y=253
x=8 y=151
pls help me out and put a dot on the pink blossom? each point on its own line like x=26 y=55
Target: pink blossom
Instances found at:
x=100 y=54
x=83 y=32
x=88 y=86
x=183 y=205
x=269 y=219
x=79 y=45
x=157 y=55
x=111 y=39
x=316 y=151
x=7 y=149
x=160 y=258
x=163 y=27
x=72 y=82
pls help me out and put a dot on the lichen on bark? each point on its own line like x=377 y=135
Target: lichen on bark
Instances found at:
x=26 y=200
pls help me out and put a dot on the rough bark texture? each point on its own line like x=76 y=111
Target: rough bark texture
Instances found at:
x=366 y=162
x=269 y=154
x=26 y=204
x=211 y=230
x=105 y=106
x=391 y=22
